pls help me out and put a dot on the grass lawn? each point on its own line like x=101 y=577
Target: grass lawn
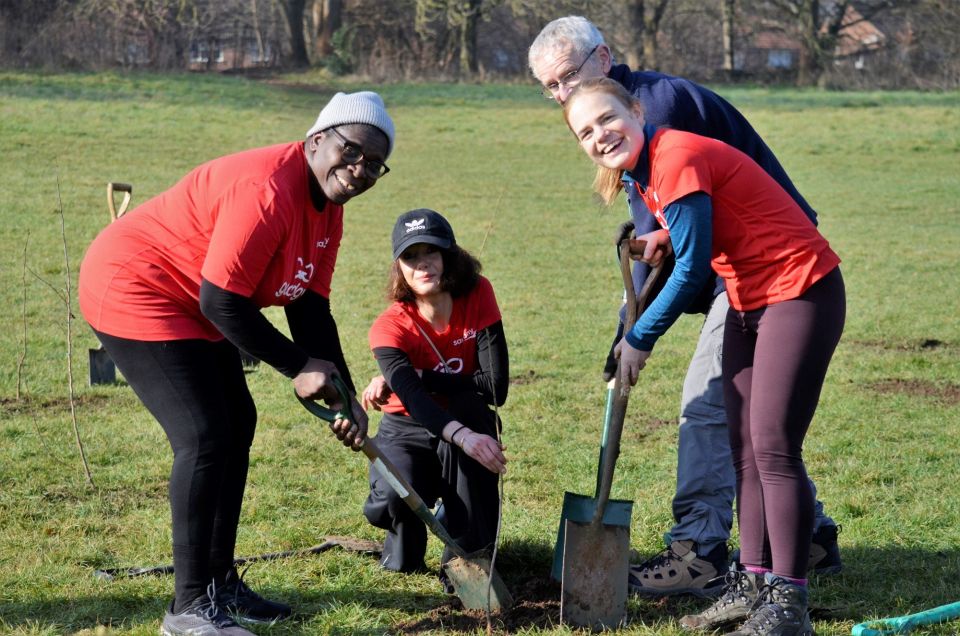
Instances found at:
x=881 y=168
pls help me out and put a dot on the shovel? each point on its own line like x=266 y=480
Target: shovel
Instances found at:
x=596 y=555
x=102 y=369
x=475 y=583
x=581 y=508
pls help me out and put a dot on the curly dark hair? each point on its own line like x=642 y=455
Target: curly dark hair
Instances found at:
x=460 y=274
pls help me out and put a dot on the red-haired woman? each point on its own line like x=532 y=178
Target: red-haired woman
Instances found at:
x=717 y=206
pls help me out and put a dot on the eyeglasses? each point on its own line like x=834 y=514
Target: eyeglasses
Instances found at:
x=569 y=80
x=352 y=154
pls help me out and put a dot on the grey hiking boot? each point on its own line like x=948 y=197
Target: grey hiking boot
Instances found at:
x=203 y=617
x=781 y=611
x=741 y=595
x=236 y=597
x=679 y=570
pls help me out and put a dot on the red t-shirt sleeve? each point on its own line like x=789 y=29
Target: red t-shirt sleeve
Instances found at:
x=682 y=171
x=246 y=235
x=388 y=330
x=485 y=301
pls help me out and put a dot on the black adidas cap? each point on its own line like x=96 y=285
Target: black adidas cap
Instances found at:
x=421 y=226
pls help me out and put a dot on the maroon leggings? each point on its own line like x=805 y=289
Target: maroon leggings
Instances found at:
x=774 y=361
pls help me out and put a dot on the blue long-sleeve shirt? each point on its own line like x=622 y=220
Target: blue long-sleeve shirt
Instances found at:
x=690 y=220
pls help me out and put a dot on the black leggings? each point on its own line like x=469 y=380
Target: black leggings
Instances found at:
x=774 y=363
x=435 y=470
x=197 y=391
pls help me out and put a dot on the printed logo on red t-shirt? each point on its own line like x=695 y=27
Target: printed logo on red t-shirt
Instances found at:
x=294 y=290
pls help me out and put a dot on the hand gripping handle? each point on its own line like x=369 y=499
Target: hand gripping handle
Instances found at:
x=329 y=414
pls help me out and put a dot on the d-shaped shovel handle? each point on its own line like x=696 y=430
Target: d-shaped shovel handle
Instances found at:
x=112 y=189
x=323 y=412
x=386 y=468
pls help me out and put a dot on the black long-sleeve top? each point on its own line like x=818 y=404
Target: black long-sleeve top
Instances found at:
x=311 y=324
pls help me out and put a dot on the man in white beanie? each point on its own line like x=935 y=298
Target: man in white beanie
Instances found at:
x=174 y=288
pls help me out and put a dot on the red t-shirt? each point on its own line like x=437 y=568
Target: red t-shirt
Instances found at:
x=244 y=222
x=764 y=246
x=397 y=327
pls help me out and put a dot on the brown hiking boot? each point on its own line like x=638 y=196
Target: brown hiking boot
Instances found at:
x=781 y=611
x=678 y=570
x=741 y=594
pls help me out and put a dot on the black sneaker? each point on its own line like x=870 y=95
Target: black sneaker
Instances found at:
x=824 y=551
x=203 y=617
x=236 y=597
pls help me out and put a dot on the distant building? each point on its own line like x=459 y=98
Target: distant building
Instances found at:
x=212 y=56
x=769 y=49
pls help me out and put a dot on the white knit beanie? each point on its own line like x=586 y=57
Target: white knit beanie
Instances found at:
x=364 y=107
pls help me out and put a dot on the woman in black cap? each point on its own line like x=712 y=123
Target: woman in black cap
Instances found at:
x=441 y=350
x=175 y=287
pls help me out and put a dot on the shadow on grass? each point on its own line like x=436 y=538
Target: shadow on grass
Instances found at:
x=877 y=582
x=130 y=610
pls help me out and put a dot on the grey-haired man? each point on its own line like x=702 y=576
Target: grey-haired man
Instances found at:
x=565 y=52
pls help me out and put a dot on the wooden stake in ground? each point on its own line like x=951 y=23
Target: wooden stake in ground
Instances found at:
x=73 y=406
x=23 y=316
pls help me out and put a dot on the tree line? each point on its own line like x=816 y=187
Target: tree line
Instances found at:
x=869 y=44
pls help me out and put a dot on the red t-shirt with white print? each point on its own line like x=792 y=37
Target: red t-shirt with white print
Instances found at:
x=763 y=245
x=397 y=327
x=244 y=222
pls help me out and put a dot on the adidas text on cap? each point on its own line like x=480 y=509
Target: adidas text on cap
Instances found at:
x=421 y=226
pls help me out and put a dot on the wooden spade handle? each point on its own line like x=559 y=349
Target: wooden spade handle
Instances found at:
x=112 y=188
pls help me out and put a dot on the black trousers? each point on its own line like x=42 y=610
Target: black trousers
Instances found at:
x=436 y=470
x=197 y=392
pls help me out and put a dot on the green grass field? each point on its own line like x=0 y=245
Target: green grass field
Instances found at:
x=882 y=169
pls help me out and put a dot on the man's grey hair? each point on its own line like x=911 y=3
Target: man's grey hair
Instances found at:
x=571 y=34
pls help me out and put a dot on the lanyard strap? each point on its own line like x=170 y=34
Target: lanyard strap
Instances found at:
x=443 y=360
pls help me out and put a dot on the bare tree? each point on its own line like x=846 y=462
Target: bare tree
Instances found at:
x=637 y=30
x=728 y=11
x=327 y=18
x=652 y=18
x=452 y=24
x=469 y=16
x=446 y=39
x=294 y=11
x=633 y=46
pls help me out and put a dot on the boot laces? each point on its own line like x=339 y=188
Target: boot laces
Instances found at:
x=660 y=560
x=770 y=612
x=736 y=585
